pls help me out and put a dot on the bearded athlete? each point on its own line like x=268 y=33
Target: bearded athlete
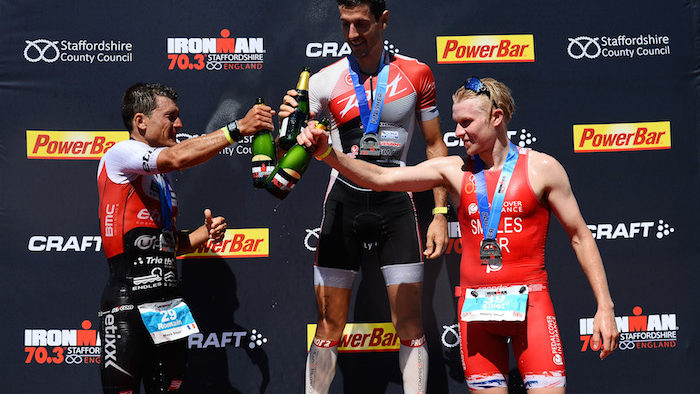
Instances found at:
x=505 y=195
x=374 y=99
x=143 y=318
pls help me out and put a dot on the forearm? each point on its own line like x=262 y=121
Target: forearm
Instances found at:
x=188 y=241
x=193 y=151
x=592 y=265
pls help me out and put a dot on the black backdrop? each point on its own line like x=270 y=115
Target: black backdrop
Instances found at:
x=611 y=67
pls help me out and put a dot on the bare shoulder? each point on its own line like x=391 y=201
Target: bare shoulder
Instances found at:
x=545 y=173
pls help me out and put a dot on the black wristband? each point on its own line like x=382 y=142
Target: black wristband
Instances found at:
x=234 y=131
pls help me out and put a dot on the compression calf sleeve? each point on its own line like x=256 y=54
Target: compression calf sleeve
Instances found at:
x=413 y=361
x=320 y=366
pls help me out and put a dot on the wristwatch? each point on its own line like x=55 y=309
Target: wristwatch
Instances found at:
x=233 y=132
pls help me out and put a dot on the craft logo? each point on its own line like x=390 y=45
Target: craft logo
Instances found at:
x=81 y=51
x=71 y=145
x=218 y=53
x=631 y=230
x=617 y=137
x=220 y=340
x=637 y=331
x=486 y=49
x=249 y=242
x=335 y=49
x=362 y=337
x=521 y=138
x=59 y=243
x=618 y=47
x=62 y=346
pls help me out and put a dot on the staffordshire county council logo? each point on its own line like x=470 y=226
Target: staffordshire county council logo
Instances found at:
x=41 y=49
x=81 y=51
x=620 y=46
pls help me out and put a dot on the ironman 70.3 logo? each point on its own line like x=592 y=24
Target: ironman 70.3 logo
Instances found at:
x=62 y=346
x=216 y=53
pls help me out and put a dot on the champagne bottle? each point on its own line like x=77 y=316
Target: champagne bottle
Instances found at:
x=291 y=167
x=292 y=125
x=264 y=154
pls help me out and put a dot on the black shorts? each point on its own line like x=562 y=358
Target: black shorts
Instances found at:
x=129 y=355
x=354 y=220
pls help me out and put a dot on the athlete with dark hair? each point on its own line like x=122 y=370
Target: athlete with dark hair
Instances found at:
x=373 y=99
x=143 y=318
x=504 y=195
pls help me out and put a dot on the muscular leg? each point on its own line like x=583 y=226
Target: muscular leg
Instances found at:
x=405 y=289
x=333 y=304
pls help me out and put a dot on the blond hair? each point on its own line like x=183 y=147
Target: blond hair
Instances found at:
x=500 y=96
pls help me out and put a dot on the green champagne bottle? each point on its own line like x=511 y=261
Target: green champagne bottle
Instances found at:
x=264 y=154
x=291 y=167
x=292 y=125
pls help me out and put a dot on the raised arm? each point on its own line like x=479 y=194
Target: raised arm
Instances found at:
x=548 y=175
x=195 y=151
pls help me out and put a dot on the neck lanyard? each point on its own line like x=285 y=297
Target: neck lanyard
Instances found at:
x=491 y=217
x=370 y=120
x=166 y=202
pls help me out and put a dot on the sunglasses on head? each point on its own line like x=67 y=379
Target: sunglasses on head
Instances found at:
x=475 y=85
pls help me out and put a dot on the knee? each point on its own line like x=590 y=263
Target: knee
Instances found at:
x=409 y=328
x=330 y=328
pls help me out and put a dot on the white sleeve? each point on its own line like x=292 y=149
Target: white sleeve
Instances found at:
x=129 y=159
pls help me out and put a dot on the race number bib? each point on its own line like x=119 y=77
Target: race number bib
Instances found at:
x=168 y=320
x=500 y=303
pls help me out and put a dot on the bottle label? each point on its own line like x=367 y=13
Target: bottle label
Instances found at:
x=262 y=169
x=284 y=180
x=283 y=127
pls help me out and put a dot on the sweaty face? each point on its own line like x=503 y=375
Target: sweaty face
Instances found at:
x=163 y=123
x=474 y=128
x=361 y=30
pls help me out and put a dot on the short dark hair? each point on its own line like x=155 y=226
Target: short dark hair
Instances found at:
x=141 y=97
x=376 y=7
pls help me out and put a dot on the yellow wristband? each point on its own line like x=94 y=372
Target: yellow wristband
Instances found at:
x=442 y=210
x=325 y=154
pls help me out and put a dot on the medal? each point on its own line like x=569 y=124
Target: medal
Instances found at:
x=167 y=241
x=490 y=252
x=369 y=146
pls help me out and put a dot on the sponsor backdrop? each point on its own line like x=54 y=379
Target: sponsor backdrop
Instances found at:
x=609 y=88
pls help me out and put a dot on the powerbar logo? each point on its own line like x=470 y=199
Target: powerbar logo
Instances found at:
x=632 y=230
x=251 y=242
x=220 y=53
x=362 y=337
x=226 y=338
x=71 y=145
x=62 y=346
x=637 y=331
x=616 y=137
x=618 y=47
x=81 y=51
x=486 y=49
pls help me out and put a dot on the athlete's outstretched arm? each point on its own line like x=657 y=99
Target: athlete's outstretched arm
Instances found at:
x=436 y=236
x=424 y=176
x=195 y=151
x=559 y=196
x=213 y=228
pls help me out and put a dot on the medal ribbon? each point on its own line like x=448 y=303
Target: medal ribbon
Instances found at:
x=370 y=121
x=166 y=202
x=491 y=217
